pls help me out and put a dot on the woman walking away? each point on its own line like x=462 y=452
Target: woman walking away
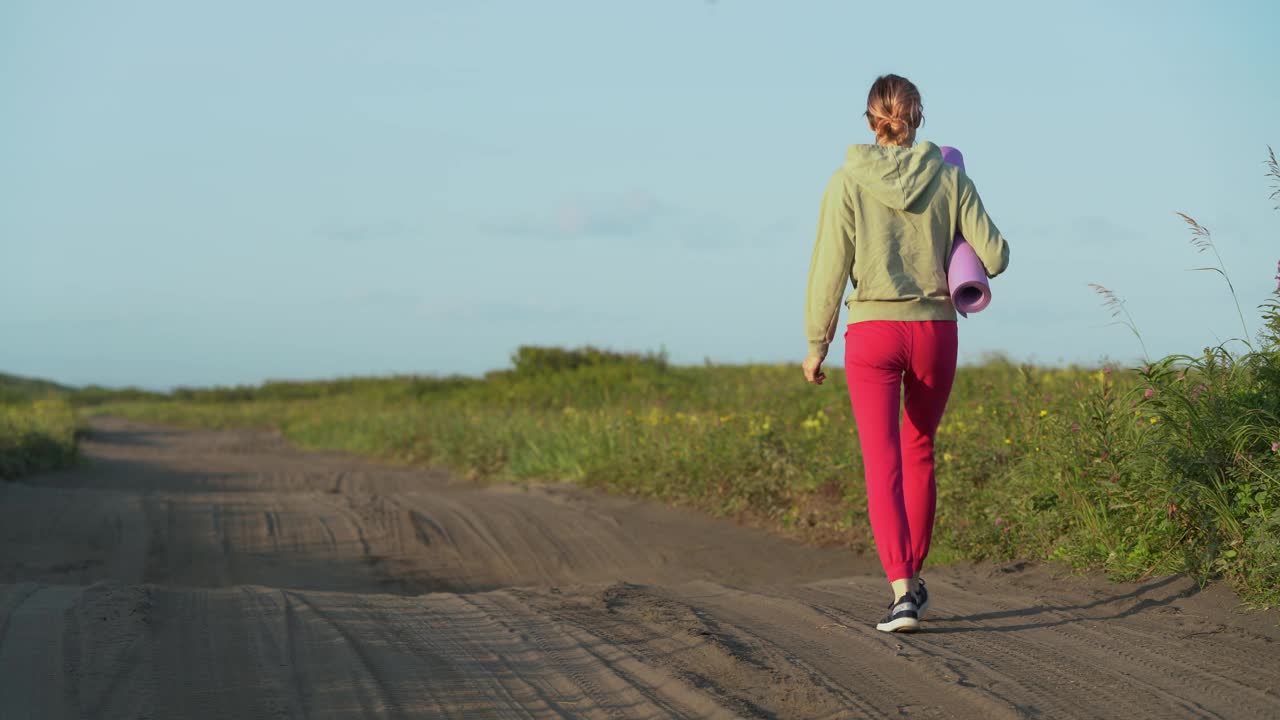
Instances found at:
x=888 y=220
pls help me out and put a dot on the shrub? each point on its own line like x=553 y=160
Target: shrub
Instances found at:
x=36 y=436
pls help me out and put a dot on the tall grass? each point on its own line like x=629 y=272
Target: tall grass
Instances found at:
x=1180 y=473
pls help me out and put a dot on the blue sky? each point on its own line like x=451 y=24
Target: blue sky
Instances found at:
x=211 y=193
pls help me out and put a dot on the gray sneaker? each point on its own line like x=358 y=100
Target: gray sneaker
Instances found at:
x=903 y=616
x=922 y=599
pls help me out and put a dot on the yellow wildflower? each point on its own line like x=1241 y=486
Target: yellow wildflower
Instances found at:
x=816 y=422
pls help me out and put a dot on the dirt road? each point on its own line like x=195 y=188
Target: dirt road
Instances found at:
x=226 y=575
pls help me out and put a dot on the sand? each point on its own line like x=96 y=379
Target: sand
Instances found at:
x=200 y=574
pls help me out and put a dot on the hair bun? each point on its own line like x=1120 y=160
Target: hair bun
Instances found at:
x=894 y=129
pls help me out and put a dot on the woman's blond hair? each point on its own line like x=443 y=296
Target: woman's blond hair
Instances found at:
x=894 y=110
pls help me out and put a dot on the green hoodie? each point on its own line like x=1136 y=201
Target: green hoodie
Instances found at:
x=887 y=224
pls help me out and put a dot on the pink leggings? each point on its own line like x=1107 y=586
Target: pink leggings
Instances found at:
x=881 y=358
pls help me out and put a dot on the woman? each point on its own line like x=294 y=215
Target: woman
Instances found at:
x=887 y=223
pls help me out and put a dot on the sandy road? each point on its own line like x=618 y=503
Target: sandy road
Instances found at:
x=226 y=575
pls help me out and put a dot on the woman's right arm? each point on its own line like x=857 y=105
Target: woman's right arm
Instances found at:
x=978 y=229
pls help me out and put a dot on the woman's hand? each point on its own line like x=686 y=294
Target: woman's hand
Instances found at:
x=813 y=370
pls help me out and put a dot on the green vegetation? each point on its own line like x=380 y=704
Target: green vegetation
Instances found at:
x=34 y=436
x=18 y=389
x=37 y=426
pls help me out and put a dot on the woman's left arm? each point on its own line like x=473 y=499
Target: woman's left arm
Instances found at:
x=829 y=268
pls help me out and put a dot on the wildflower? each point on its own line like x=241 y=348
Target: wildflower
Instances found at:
x=1275 y=447
x=1075 y=427
x=1008 y=441
x=1043 y=413
x=1278 y=276
x=947 y=457
x=1148 y=393
x=999 y=522
x=1155 y=420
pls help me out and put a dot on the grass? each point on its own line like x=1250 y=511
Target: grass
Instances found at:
x=16 y=389
x=36 y=435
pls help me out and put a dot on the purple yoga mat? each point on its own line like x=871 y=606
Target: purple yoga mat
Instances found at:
x=966 y=276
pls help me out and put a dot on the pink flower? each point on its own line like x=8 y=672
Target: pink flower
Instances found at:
x=1275 y=447
x=1148 y=393
x=1278 y=276
x=1075 y=427
x=999 y=522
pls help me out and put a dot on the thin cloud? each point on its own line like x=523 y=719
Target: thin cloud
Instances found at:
x=372 y=232
x=630 y=215
x=600 y=217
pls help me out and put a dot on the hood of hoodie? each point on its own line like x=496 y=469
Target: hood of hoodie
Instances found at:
x=894 y=175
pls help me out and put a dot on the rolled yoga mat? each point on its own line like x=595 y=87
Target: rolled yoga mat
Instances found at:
x=966 y=275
